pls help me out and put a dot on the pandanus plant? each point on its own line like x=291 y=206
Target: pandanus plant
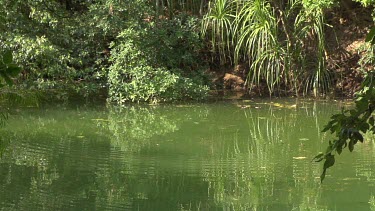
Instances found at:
x=277 y=39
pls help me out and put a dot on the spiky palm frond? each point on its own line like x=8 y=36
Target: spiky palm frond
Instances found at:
x=257 y=28
x=278 y=41
x=309 y=25
x=219 y=21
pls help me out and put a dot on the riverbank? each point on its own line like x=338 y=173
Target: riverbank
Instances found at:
x=348 y=58
x=180 y=54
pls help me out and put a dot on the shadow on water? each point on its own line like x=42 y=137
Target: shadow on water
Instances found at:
x=240 y=155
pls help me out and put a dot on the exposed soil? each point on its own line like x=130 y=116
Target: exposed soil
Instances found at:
x=345 y=43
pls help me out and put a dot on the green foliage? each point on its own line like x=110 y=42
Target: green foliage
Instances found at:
x=7 y=68
x=138 y=125
x=3 y=146
x=350 y=125
x=64 y=44
x=366 y=2
x=367 y=60
x=277 y=39
x=310 y=27
x=67 y=45
x=158 y=62
x=219 y=20
x=175 y=43
x=371 y=36
x=257 y=28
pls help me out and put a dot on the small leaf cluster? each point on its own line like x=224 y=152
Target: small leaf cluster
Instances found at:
x=366 y=2
x=349 y=125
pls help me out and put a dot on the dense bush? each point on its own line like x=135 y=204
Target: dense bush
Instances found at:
x=64 y=44
x=158 y=62
x=152 y=50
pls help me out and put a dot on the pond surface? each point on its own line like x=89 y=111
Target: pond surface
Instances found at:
x=240 y=155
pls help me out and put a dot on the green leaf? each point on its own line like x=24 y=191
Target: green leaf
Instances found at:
x=7 y=57
x=371 y=121
x=351 y=145
x=329 y=126
x=362 y=105
x=344 y=144
x=358 y=136
x=370 y=36
x=364 y=127
x=339 y=150
x=6 y=78
x=326 y=128
x=319 y=157
x=13 y=70
x=330 y=160
x=323 y=175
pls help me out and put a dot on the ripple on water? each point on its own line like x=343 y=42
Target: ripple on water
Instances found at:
x=227 y=161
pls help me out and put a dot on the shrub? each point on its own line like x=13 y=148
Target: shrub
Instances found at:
x=157 y=62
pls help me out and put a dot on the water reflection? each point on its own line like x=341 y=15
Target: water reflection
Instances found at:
x=194 y=157
x=133 y=127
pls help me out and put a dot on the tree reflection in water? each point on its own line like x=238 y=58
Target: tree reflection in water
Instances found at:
x=192 y=157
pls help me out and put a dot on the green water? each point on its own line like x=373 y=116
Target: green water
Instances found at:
x=215 y=156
